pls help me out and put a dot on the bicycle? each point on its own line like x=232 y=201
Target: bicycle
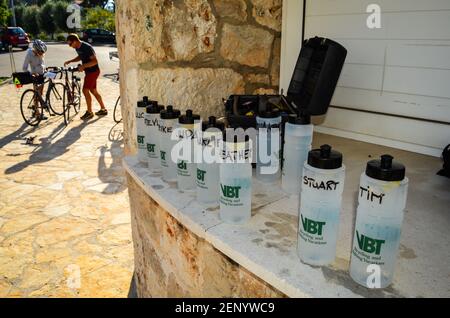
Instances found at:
x=32 y=103
x=117 y=113
x=72 y=93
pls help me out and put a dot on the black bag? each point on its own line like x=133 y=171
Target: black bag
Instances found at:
x=312 y=86
x=445 y=172
x=22 y=78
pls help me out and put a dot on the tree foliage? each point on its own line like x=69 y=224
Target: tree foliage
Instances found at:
x=99 y=18
x=45 y=19
x=4 y=13
x=30 y=23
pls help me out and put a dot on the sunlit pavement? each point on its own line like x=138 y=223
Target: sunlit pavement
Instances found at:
x=64 y=212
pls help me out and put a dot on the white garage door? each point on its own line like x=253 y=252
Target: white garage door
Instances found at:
x=395 y=85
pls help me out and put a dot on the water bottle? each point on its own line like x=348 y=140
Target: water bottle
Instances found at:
x=320 y=205
x=141 y=129
x=298 y=134
x=208 y=169
x=186 y=168
x=151 y=121
x=168 y=122
x=381 y=202
x=235 y=179
x=268 y=125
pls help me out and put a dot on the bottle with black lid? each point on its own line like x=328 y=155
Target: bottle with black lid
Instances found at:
x=167 y=123
x=320 y=206
x=381 y=202
x=141 y=128
x=210 y=143
x=268 y=124
x=186 y=168
x=151 y=120
x=298 y=135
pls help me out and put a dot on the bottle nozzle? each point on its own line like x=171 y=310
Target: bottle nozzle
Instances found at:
x=325 y=151
x=145 y=99
x=169 y=108
x=189 y=113
x=212 y=121
x=386 y=161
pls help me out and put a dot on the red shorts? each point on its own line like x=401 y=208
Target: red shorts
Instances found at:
x=90 y=80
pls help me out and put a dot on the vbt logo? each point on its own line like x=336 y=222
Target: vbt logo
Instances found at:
x=312 y=227
x=369 y=245
x=201 y=175
x=151 y=148
x=231 y=192
x=163 y=155
x=140 y=139
x=182 y=165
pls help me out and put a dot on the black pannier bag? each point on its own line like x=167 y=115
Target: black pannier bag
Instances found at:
x=311 y=88
x=22 y=78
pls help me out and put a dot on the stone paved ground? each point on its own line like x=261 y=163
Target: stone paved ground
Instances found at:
x=64 y=211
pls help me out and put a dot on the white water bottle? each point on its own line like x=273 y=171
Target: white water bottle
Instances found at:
x=320 y=205
x=381 y=203
x=152 y=135
x=186 y=168
x=298 y=133
x=235 y=179
x=141 y=129
x=168 y=122
x=208 y=168
x=268 y=166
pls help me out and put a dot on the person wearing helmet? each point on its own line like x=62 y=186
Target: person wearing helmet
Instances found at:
x=34 y=62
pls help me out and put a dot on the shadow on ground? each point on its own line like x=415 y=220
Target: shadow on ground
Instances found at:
x=47 y=150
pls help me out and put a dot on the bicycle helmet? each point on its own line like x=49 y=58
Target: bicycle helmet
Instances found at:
x=39 y=46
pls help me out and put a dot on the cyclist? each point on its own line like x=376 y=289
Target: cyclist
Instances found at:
x=86 y=55
x=34 y=59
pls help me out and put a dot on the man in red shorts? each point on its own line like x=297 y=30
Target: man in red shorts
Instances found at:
x=86 y=55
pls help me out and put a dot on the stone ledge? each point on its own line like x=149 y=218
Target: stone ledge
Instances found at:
x=266 y=246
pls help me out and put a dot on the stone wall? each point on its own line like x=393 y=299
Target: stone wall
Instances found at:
x=171 y=261
x=193 y=53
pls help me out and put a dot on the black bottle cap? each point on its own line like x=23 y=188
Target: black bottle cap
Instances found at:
x=302 y=119
x=145 y=102
x=170 y=113
x=213 y=123
x=153 y=107
x=189 y=118
x=385 y=169
x=325 y=158
x=271 y=111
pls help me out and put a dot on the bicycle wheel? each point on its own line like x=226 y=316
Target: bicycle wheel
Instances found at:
x=31 y=108
x=77 y=97
x=117 y=114
x=56 y=98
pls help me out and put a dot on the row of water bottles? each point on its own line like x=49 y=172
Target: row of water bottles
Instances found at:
x=317 y=175
x=222 y=175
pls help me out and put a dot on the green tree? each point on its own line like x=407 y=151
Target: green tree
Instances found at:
x=30 y=23
x=60 y=15
x=45 y=19
x=4 y=13
x=19 y=10
x=99 y=18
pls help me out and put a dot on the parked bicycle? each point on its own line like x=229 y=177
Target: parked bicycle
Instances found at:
x=72 y=93
x=117 y=114
x=33 y=104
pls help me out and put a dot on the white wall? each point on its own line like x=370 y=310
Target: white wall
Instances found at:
x=401 y=69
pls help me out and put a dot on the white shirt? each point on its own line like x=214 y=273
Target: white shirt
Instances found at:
x=35 y=62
